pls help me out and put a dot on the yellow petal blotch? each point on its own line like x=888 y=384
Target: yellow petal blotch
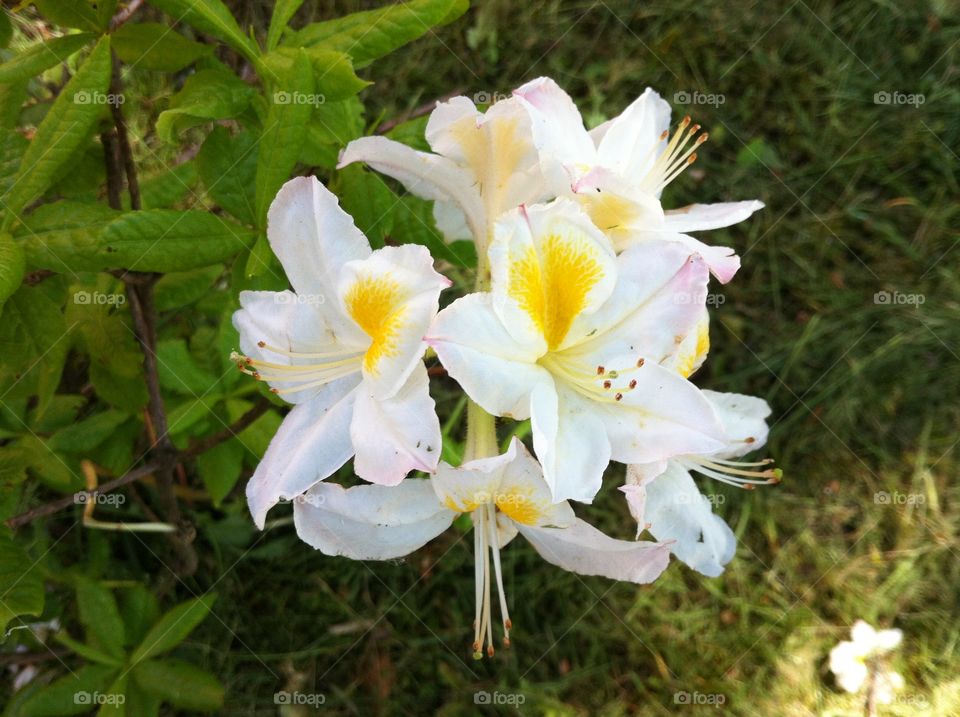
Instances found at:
x=375 y=303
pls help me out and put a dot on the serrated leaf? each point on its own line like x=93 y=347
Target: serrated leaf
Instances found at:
x=58 y=236
x=207 y=95
x=69 y=13
x=42 y=56
x=284 y=131
x=100 y=616
x=180 y=683
x=153 y=46
x=228 y=170
x=88 y=433
x=21 y=586
x=283 y=10
x=368 y=35
x=173 y=628
x=66 y=127
x=12 y=266
x=70 y=695
x=334 y=76
x=213 y=18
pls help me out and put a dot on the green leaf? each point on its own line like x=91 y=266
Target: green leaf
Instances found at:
x=6 y=29
x=207 y=95
x=156 y=47
x=21 y=586
x=228 y=169
x=284 y=131
x=366 y=197
x=141 y=703
x=220 y=469
x=12 y=266
x=335 y=78
x=181 y=288
x=140 y=610
x=213 y=18
x=88 y=433
x=59 y=235
x=181 y=683
x=42 y=56
x=283 y=10
x=117 y=707
x=368 y=35
x=163 y=189
x=173 y=627
x=179 y=371
x=70 y=695
x=12 y=97
x=69 y=13
x=100 y=616
x=88 y=652
x=65 y=128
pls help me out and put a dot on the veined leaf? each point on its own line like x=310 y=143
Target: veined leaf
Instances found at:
x=21 y=587
x=156 y=47
x=70 y=695
x=334 y=76
x=173 y=627
x=12 y=266
x=213 y=18
x=283 y=10
x=208 y=95
x=100 y=616
x=228 y=170
x=69 y=13
x=66 y=126
x=181 y=684
x=42 y=56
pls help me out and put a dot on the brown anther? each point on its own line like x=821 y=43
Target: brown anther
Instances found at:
x=489 y=650
x=506 y=643
x=703 y=138
x=749 y=486
x=618 y=397
x=694 y=129
x=639 y=362
x=476 y=643
x=692 y=158
x=684 y=122
x=664 y=134
x=749 y=439
x=274 y=390
x=633 y=383
x=508 y=623
x=607 y=384
x=261 y=344
x=256 y=375
x=600 y=370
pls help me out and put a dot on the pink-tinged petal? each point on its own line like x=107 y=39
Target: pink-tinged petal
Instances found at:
x=722 y=260
x=676 y=511
x=581 y=548
x=636 y=497
x=743 y=419
x=396 y=435
x=313 y=238
x=571 y=443
x=558 y=130
x=701 y=217
x=495 y=370
x=427 y=175
x=312 y=443
x=392 y=296
x=631 y=141
x=370 y=522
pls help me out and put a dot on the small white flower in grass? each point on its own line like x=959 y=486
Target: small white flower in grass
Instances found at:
x=345 y=347
x=618 y=170
x=853 y=661
x=504 y=495
x=587 y=344
x=664 y=499
x=483 y=164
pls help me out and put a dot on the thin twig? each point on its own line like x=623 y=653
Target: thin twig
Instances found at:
x=227 y=433
x=123 y=15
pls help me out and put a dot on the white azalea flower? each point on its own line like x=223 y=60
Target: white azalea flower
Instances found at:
x=344 y=346
x=618 y=170
x=483 y=164
x=664 y=499
x=504 y=495
x=852 y=661
x=585 y=343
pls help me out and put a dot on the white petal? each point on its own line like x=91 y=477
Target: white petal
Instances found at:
x=583 y=549
x=450 y=221
x=524 y=496
x=887 y=640
x=676 y=510
x=440 y=131
x=370 y=522
x=631 y=142
x=701 y=217
x=618 y=206
x=495 y=370
x=427 y=175
x=571 y=443
x=474 y=483
x=396 y=435
x=743 y=417
x=722 y=260
x=283 y=320
x=392 y=297
x=312 y=443
x=313 y=238
x=558 y=130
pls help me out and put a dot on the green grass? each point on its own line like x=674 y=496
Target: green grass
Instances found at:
x=861 y=198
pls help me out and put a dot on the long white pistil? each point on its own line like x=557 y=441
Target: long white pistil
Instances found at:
x=485 y=542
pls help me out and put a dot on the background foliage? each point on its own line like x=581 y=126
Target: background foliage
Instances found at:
x=861 y=199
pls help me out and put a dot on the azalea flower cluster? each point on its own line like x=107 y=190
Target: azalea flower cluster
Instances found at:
x=588 y=318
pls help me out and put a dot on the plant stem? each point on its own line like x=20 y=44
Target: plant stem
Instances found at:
x=481 y=426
